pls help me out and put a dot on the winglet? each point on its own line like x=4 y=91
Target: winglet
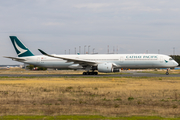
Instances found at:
x=42 y=52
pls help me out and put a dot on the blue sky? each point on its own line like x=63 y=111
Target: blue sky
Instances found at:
x=134 y=26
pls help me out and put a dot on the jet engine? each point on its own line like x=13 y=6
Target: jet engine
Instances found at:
x=105 y=67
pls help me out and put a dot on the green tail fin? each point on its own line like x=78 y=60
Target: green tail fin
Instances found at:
x=21 y=50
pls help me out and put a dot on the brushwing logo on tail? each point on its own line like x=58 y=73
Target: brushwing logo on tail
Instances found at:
x=19 y=48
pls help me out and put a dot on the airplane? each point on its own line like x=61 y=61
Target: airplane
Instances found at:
x=105 y=63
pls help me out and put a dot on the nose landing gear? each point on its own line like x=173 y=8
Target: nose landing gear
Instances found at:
x=167 y=72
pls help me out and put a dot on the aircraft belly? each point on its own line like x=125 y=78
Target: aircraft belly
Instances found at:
x=52 y=64
x=61 y=64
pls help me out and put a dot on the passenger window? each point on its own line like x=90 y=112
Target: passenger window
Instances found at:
x=170 y=59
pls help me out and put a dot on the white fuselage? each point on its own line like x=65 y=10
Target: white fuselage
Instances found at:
x=120 y=60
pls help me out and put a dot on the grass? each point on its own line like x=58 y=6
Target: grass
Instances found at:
x=173 y=72
x=30 y=72
x=126 y=96
x=112 y=77
x=92 y=117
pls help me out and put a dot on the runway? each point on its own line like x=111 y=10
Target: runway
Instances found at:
x=130 y=74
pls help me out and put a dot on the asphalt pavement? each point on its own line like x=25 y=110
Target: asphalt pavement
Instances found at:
x=131 y=74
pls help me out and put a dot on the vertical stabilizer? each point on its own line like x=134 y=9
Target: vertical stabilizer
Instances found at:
x=21 y=50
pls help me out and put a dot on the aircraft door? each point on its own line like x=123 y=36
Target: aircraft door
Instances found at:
x=38 y=59
x=121 y=59
x=161 y=59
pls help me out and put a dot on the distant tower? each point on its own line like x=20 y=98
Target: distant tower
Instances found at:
x=117 y=50
x=75 y=50
x=113 y=49
x=88 y=49
x=79 y=49
x=85 y=49
x=108 y=49
x=93 y=50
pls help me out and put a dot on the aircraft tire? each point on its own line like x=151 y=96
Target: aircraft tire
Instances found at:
x=95 y=73
x=167 y=73
x=90 y=73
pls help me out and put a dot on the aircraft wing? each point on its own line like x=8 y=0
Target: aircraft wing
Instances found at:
x=75 y=60
x=15 y=58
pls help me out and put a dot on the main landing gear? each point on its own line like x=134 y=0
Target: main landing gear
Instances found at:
x=90 y=73
x=167 y=72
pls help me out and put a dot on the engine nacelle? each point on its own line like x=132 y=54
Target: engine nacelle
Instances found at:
x=105 y=67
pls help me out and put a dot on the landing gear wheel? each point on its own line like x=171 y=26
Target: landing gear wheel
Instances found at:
x=95 y=73
x=90 y=73
x=84 y=73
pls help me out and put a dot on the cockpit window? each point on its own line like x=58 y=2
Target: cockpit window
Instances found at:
x=170 y=59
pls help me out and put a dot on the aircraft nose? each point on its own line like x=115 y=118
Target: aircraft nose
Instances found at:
x=176 y=63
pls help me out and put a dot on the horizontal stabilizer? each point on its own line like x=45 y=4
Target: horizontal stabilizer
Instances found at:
x=15 y=58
